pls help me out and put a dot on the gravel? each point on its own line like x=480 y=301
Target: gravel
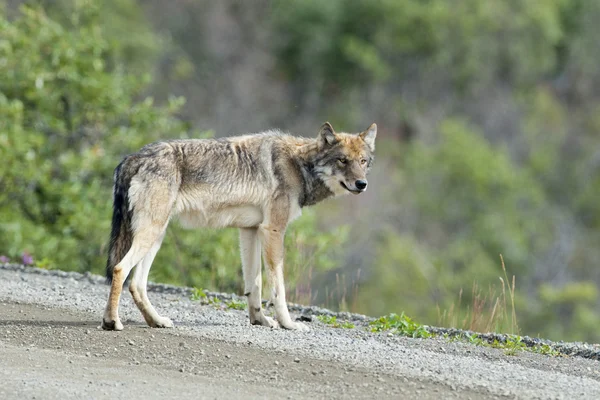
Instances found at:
x=58 y=306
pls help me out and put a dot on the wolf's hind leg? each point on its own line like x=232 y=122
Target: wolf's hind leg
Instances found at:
x=140 y=246
x=250 y=252
x=138 y=285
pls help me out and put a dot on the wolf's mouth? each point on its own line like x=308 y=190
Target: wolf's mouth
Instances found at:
x=353 y=191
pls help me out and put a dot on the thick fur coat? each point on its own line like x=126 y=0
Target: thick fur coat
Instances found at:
x=257 y=183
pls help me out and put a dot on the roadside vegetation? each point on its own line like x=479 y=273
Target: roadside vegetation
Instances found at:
x=488 y=145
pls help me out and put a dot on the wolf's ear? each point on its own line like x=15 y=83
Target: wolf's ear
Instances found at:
x=327 y=135
x=369 y=136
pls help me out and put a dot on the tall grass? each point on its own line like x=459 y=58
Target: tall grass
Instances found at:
x=342 y=296
x=490 y=310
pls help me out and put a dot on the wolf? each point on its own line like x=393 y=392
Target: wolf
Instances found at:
x=257 y=183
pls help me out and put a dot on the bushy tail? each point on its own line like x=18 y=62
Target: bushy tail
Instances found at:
x=121 y=234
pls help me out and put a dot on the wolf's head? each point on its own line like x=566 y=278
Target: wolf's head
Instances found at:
x=344 y=159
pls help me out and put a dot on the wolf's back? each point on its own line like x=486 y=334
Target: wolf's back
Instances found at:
x=120 y=235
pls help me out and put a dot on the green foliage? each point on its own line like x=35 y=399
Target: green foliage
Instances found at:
x=44 y=264
x=350 y=43
x=571 y=294
x=198 y=294
x=236 y=304
x=72 y=105
x=65 y=121
x=545 y=349
x=401 y=325
x=494 y=103
x=572 y=305
x=486 y=205
x=333 y=322
x=511 y=344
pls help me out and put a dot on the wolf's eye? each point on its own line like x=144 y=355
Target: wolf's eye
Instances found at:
x=363 y=161
x=342 y=160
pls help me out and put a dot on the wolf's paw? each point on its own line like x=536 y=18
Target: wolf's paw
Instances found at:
x=161 y=322
x=112 y=325
x=296 y=326
x=263 y=320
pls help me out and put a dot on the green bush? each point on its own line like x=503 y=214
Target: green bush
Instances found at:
x=70 y=109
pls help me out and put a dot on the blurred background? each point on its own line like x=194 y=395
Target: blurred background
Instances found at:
x=488 y=144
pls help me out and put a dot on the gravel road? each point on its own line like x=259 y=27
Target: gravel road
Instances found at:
x=51 y=347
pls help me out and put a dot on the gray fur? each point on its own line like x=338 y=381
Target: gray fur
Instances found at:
x=257 y=183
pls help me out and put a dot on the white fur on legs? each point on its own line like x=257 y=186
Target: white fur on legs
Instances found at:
x=278 y=299
x=138 y=289
x=250 y=254
x=139 y=248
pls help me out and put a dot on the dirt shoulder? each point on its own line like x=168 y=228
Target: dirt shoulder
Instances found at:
x=51 y=347
x=53 y=353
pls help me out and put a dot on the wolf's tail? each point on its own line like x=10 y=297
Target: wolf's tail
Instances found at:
x=121 y=234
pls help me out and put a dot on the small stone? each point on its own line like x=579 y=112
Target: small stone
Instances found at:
x=276 y=362
x=306 y=318
x=296 y=360
x=131 y=342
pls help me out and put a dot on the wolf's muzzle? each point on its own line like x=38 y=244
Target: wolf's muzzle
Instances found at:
x=361 y=184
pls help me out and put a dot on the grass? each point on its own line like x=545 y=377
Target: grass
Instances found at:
x=511 y=290
x=512 y=345
x=343 y=296
x=488 y=311
x=236 y=304
x=406 y=326
x=198 y=294
x=400 y=324
x=545 y=350
x=334 y=323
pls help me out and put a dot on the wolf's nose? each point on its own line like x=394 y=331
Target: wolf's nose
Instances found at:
x=361 y=184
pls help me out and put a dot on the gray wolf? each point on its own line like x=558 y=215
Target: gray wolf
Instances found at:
x=257 y=183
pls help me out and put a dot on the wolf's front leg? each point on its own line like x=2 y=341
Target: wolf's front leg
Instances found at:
x=272 y=238
x=250 y=252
